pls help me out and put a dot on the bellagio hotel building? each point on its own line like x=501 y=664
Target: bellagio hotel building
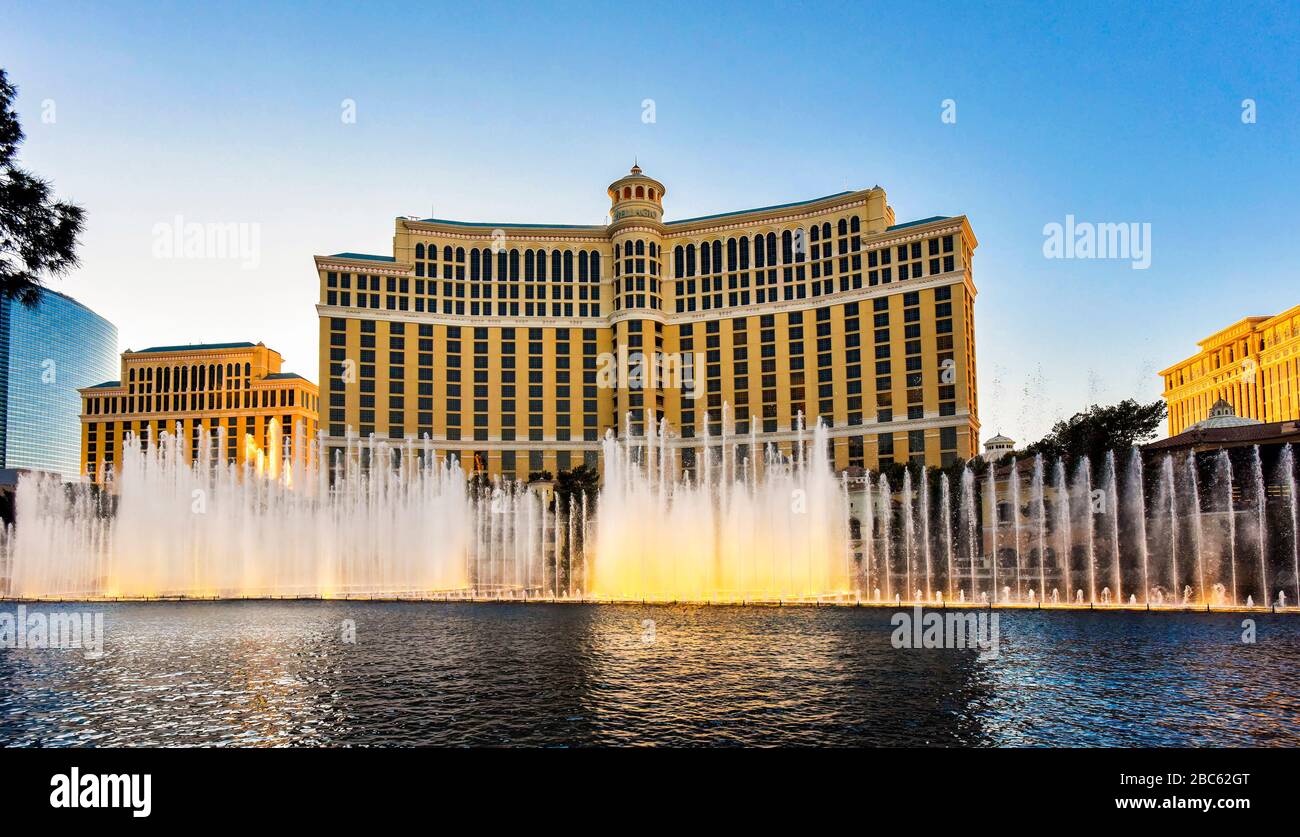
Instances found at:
x=238 y=388
x=495 y=340
x=1253 y=364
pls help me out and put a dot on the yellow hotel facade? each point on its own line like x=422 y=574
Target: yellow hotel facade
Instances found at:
x=514 y=346
x=1253 y=364
x=236 y=387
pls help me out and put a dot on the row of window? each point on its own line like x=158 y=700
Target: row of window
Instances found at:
x=266 y=398
x=142 y=430
x=564 y=265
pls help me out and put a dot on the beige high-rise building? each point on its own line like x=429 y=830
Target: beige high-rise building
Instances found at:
x=1253 y=364
x=232 y=391
x=516 y=346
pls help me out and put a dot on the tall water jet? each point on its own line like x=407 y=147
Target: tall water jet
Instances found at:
x=1169 y=487
x=925 y=532
x=1064 y=528
x=969 y=518
x=1085 y=502
x=1138 y=514
x=1015 y=522
x=909 y=541
x=867 y=532
x=1112 y=513
x=1287 y=478
x=1198 y=528
x=945 y=508
x=1261 y=528
x=1040 y=523
x=886 y=535
x=992 y=503
x=1227 y=506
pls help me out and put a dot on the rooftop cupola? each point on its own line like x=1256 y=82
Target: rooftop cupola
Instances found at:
x=636 y=196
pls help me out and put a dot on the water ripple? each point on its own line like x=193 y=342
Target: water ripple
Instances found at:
x=279 y=674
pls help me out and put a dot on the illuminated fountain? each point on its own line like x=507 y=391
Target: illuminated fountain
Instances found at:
x=385 y=520
x=745 y=524
x=710 y=519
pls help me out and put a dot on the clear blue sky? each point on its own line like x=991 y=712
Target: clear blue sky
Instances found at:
x=231 y=113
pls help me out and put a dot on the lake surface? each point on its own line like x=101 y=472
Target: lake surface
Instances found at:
x=281 y=673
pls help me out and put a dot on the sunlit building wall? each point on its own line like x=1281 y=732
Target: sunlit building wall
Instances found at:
x=495 y=340
x=236 y=387
x=1253 y=364
x=47 y=352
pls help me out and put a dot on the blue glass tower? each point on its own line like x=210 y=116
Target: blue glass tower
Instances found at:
x=47 y=352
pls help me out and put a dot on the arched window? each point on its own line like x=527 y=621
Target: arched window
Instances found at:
x=640 y=247
x=843 y=227
x=652 y=194
x=473 y=265
x=640 y=191
x=717 y=257
x=787 y=247
x=419 y=251
x=826 y=231
x=855 y=225
x=706 y=260
x=514 y=265
x=582 y=265
x=446 y=253
x=731 y=254
x=771 y=249
x=528 y=265
x=627 y=193
x=556 y=265
x=568 y=265
x=541 y=265
x=679 y=262
x=460 y=254
x=690 y=259
x=759 y=250
x=816 y=232
x=595 y=266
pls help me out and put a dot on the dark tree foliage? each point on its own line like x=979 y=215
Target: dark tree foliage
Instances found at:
x=38 y=234
x=572 y=484
x=1098 y=429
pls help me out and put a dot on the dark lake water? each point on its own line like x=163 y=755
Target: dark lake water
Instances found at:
x=280 y=673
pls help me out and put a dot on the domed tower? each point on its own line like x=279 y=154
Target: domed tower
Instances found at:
x=634 y=195
x=636 y=234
